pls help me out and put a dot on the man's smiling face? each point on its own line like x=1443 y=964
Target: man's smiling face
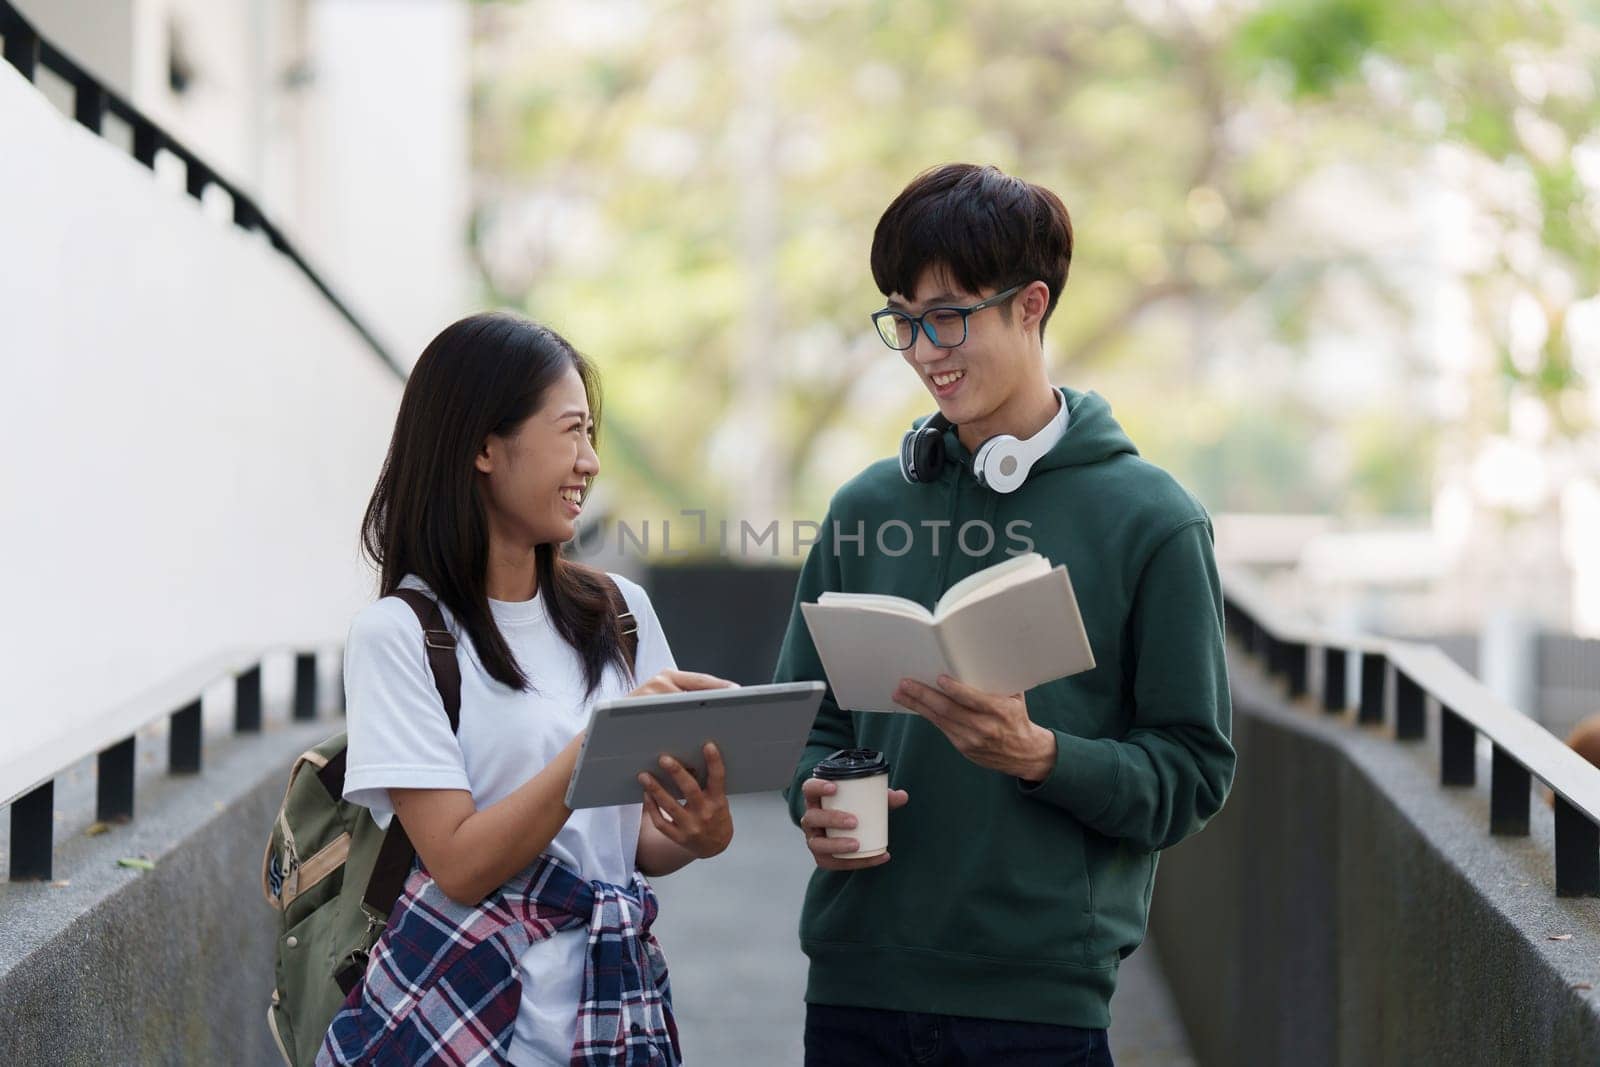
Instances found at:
x=972 y=380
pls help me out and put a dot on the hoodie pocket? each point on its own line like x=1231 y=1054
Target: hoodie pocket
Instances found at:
x=1033 y=897
x=1119 y=877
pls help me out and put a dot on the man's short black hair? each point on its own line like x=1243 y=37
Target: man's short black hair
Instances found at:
x=986 y=228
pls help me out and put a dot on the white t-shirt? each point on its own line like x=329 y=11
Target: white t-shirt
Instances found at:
x=399 y=737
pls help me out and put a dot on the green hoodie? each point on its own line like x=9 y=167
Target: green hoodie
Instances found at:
x=1007 y=900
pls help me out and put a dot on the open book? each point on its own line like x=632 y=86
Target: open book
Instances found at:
x=1005 y=629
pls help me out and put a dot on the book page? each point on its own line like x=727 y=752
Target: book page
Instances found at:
x=866 y=653
x=991 y=580
x=1010 y=643
x=894 y=605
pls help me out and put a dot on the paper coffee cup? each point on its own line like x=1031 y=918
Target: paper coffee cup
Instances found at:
x=862 y=780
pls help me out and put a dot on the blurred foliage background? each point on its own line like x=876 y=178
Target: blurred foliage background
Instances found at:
x=1331 y=254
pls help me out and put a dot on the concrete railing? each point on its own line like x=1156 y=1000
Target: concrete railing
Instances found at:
x=27 y=777
x=1398 y=680
x=153 y=944
x=1347 y=904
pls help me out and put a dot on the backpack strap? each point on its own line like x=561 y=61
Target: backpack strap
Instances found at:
x=628 y=624
x=441 y=647
x=393 y=865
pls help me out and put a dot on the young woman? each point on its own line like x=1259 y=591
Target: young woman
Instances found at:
x=493 y=451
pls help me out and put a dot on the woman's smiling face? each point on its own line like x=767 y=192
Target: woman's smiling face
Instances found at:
x=534 y=480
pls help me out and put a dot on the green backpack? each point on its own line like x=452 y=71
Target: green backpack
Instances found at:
x=333 y=876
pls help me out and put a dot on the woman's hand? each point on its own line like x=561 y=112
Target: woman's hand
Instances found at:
x=680 y=682
x=700 y=823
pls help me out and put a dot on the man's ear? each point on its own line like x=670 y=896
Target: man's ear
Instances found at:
x=1034 y=300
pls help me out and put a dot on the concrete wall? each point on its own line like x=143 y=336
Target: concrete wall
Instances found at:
x=1343 y=908
x=112 y=965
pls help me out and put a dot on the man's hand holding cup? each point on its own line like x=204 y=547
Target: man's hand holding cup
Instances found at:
x=848 y=802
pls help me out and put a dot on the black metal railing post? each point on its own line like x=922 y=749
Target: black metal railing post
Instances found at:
x=114 y=783
x=1297 y=664
x=305 y=685
x=33 y=817
x=146 y=142
x=1334 y=685
x=245 y=215
x=1410 y=718
x=1510 y=786
x=1577 y=852
x=89 y=105
x=1458 y=764
x=247 y=701
x=1374 y=687
x=183 y=740
x=22 y=44
x=198 y=176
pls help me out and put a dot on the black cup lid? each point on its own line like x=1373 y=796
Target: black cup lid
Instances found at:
x=852 y=763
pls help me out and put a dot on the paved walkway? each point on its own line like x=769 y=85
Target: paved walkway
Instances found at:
x=739 y=980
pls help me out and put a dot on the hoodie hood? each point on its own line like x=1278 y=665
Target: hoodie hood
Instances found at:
x=1093 y=435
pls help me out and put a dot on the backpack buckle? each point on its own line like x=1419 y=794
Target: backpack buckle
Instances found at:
x=446 y=640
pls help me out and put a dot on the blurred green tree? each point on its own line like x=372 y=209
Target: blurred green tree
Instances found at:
x=1323 y=245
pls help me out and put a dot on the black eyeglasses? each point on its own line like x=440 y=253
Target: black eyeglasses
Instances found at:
x=945 y=327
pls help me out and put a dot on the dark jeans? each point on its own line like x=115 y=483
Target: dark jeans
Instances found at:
x=867 y=1037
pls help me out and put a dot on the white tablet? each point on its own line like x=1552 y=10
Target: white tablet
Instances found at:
x=760 y=730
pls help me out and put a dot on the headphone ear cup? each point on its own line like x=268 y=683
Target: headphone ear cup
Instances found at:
x=907 y=461
x=930 y=457
x=998 y=464
x=922 y=454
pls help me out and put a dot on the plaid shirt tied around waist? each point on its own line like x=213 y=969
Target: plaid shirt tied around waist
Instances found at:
x=443 y=987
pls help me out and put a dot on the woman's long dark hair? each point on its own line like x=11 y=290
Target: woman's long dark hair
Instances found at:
x=482 y=375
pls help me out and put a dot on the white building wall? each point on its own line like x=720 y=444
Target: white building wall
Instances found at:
x=347 y=120
x=389 y=146
x=190 y=432
x=96 y=33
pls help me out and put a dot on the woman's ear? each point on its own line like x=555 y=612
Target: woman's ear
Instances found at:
x=485 y=459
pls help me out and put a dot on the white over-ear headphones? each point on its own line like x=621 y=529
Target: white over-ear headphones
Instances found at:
x=1001 y=463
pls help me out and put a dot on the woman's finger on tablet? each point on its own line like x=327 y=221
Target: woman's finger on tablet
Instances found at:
x=688 y=788
x=659 y=684
x=656 y=795
x=663 y=822
x=688 y=680
x=716 y=772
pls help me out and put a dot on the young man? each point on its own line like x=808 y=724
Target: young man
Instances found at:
x=1025 y=826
